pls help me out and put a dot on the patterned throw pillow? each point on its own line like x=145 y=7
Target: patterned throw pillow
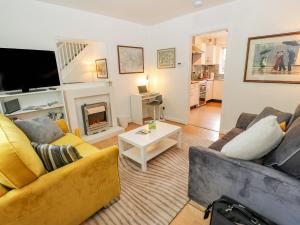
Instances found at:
x=54 y=156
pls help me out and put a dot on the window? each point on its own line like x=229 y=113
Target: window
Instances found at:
x=222 y=60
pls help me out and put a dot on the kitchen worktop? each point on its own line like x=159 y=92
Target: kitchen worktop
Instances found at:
x=196 y=81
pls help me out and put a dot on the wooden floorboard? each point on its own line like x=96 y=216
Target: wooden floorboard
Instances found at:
x=207 y=116
x=190 y=215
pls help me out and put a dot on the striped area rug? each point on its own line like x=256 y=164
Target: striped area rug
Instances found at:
x=149 y=198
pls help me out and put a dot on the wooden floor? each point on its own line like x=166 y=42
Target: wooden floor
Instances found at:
x=191 y=214
x=207 y=116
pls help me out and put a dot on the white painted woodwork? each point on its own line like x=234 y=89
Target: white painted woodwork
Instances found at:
x=194 y=94
x=209 y=90
x=36 y=98
x=67 y=51
x=147 y=146
x=218 y=89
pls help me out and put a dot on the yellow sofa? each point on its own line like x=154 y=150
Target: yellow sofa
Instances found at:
x=66 y=196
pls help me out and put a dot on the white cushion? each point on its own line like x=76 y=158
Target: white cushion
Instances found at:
x=256 y=141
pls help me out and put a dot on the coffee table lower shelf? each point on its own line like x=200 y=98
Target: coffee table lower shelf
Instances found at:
x=153 y=150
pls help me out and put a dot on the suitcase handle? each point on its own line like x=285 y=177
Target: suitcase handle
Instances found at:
x=252 y=217
x=241 y=208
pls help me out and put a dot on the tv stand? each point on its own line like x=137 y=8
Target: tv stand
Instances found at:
x=21 y=92
x=14 y=92
x=37 y=102
x=37 y=90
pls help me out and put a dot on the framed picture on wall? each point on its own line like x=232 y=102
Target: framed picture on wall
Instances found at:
x=131 y=59
x=273 y=59
x=101 y=68
x=166 y=58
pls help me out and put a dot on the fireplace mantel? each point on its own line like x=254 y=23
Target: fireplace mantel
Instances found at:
x=76 y=95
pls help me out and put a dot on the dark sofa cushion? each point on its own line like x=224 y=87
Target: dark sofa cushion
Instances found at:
x=41 y=129
x=54 y=156
x=244 y=120
x=218 y=145
x=294 y=117
x=287 y=156
x=269 y=111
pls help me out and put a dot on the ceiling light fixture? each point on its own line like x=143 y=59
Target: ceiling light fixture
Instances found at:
x=198 y=3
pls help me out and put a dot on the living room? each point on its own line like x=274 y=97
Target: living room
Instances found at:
x=175 y=184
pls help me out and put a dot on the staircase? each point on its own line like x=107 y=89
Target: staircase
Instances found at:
x=67 y=51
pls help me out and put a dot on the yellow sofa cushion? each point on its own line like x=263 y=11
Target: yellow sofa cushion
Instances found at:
x=83 y=148
x=68 y=139
x=63 y=125
x=86 y=149
x=19 y=163
x=3 y=190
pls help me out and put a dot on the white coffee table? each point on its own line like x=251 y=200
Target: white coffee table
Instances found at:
x=145 y=147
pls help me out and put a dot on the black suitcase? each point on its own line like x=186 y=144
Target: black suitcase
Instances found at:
x=226 y=211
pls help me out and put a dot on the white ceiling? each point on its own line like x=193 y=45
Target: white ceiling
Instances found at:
x=146 y=12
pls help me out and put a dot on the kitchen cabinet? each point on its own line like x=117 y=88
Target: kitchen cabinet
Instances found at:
x=210 y=55
x=218 y=89
x=209 y=90
x=194 y=94
x=196 y=57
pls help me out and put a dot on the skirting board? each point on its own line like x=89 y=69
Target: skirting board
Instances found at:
x=222 y=131
x=215 y=100
x=176 y=120
x=196 y=205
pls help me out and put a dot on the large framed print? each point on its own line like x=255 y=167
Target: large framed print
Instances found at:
x=166 y=58
x=131 y=59
x=273 y=59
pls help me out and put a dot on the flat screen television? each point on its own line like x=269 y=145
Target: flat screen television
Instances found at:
x=22 y=69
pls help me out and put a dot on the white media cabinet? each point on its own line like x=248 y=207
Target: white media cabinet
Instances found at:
x=36 y=98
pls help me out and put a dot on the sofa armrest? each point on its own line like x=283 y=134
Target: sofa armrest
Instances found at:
x=267 y=191
x=244 y=120
x=68 y=195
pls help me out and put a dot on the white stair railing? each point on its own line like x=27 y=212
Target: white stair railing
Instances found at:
x=67 y=51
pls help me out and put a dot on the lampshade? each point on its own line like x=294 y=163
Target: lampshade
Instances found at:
x=143 y=81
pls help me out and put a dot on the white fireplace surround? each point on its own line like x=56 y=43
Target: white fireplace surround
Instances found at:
x=78 y=94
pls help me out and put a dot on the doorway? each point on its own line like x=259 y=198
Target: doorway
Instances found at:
x=207 y=79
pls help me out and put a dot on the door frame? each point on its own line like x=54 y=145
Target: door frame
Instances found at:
x=204 y=32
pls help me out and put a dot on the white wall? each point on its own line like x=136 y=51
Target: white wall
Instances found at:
x=35 y=25
x=243 y=18
x=31 y=24
x=83 y=68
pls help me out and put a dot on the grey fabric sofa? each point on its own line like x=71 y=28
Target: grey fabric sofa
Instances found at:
x=271 y=193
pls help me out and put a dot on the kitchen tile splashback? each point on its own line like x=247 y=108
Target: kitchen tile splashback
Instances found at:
x=203 y=71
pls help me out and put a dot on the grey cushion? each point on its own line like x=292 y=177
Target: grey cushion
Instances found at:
x=244 y=120
x=218 y=145
x=294 y=117
x=40 y=129
x=269 y=111
x=287 y=156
